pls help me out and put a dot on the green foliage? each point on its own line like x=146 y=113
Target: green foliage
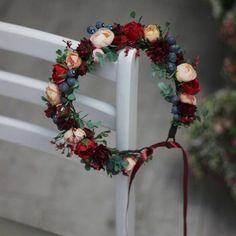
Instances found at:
x=110 y=54
x=61 y=56
x=159 y=71
x=93 y=124
x=166 y=91
x=132 y=14
x=71 y=97
x=44 y=99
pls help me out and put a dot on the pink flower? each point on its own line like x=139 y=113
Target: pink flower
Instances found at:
x=187 y=98
x=185 y=72
x=73 y=60
x=95 y=54
x=102 y=38
x=53 y=94
x=131 y=164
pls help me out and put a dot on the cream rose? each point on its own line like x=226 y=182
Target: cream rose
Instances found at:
x=73 y=136
x=102 y=38
x=186 y=98
x=73 y=60
x=132 y=162
x=185 y=72
x=95 y=51
x=53 y=94
x=151 y=33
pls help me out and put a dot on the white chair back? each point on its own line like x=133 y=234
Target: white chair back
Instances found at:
x=122 y=117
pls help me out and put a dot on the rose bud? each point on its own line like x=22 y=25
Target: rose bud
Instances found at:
x=133 y=31
x=102 y=38
x=73 y=136
x=192 y=87
x=132 y=162
x=151 y=33
x=187 y=98
x=185 y=72
x=73 y=60
x=59 y=73
x=53 y=94
x=95 y=52
x=85 y=150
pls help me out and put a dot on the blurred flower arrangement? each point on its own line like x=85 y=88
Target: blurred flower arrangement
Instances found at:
x=213 y=149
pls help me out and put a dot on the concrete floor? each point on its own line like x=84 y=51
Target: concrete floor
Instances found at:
x=58 y=196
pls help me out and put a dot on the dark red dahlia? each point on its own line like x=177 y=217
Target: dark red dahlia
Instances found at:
x=100 y=157
x=117 y=29
x=82 y=69
x=179 y=58
x=187 y=112
x=65 y=124
x=89 y=133
x=85 y=48
x=85 y=150
x=191 y=87
x=158 y=51
x=50 y=111
x=120 y=41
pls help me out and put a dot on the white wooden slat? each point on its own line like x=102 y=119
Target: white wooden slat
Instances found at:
x=42 y=45
x=126 y=126
x=26 y=134
x=31 y=90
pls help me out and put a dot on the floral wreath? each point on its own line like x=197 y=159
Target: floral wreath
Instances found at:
x=76 y=135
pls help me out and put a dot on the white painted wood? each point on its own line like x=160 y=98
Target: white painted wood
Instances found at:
x=30 y=90
x=42 y=45
x=26 y=134
x=126 y=126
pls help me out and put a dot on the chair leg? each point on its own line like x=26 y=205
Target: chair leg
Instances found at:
x=121 y=204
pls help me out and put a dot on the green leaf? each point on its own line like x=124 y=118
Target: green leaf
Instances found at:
x=59 y=52
x=101 y=58
x=71 y=97
x=44 y=99
x=112 y=56
x=166 y=90
x=132 y=14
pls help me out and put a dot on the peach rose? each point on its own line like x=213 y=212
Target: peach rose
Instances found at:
x=73 y=60
x=185 y=72
x=186 y=98
x=102 y=38
x=151 y=33
x=132 y=162
x=73 y=136
x=95 y=51
x=53 y=94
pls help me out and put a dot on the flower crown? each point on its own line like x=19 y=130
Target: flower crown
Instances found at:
x=76 y=135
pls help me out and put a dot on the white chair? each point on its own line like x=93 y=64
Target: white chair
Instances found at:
x=121 y=118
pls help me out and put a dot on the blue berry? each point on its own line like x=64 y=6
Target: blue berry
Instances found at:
x=71 y=73
x=171 y=40
x=108 y=26
x=171 y=67
x=71 y=81
x=99 y=24
x=172 y=57
x=174 y=110
x=174 y=48
x=64 y=87
x=175 y=99
x=91 y=29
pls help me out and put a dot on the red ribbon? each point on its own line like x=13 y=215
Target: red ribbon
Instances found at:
x=144 y=156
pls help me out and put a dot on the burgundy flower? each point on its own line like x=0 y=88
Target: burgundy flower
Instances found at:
x=82 y=70
x=187 y=112
x=85 y=150
x=133 y=31
x=158 y=51
x=66 y=124
x=192 y=87
x=179 y=58
x=120 y=41
x=100 y=157
x=59 y=73
x=50 y=111
x=117 y=29
x=85 y=48
x=89 y=133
